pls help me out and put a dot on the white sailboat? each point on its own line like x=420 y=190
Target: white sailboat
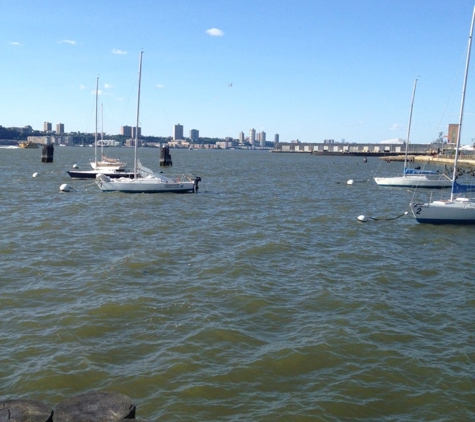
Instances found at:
x=145 y=180
x=414 y=178
x=112 y=167
x=457 y=209
x=105 y=163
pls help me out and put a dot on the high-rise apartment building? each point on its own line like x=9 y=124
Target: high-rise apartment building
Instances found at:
x=60 y=129
x=177 y=132
x=262 y=139
x=126 y=131
x=194 y=135
x=47 y=127
x=241 y=138
x=252 y=136
x=133 y=132
x=276 y=138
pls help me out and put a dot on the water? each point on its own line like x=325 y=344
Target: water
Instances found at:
x=261 y=298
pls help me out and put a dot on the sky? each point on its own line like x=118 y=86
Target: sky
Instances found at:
x=304 y=69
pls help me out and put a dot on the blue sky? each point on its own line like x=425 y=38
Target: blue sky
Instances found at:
x=306 y=69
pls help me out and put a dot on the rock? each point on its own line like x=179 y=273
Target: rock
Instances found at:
x=95 y=406
x=25 y=411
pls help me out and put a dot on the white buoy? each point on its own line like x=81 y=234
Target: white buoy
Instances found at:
x=350 y=182
x=75 y=166
x=35 y=174
x=362 y=218
x=65 y=188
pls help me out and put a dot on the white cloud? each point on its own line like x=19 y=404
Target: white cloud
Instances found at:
x=395 y=126
x=215 y=32
x=159 y=86
x=15 y=43
x=99 y=92
x=82 y=87
x=70 y=42
x=108 y=86
x=117 y=51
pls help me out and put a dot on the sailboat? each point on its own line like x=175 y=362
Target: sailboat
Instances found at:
x=145 y=180
x=110 y=166
x=105 y=163
x=456 y=209
x=415 y=178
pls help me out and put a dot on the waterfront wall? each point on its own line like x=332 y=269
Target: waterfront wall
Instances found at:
x=359 y=149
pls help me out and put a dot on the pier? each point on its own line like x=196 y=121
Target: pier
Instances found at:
x=463 y=161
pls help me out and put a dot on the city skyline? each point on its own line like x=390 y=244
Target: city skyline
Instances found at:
x=177 y=133
x=307 y=70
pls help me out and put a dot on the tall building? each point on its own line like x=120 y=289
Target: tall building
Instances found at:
x=126 y=131
x=453 y=133
x=134 y=130
x=262 y=139
x=241 y=138
x=177 y=132
x=276 y=138
x=60 y=128
x=47 y=127
x=194 y=135
x=252 y=136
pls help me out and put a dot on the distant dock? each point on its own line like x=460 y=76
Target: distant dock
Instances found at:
x=463 y=161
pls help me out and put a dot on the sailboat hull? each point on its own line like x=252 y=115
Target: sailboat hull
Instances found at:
x=458 y=211
x=415 y=181
x=91 y=174
x=145 y=185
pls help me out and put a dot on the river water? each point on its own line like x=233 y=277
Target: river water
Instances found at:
x=260 y=298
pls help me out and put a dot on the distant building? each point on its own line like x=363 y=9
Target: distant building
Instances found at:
x=126 y=131
x=47 y=127
x=262 y=139
x=276 y=138
x=60 y=128
x=252 y=136
x=194 y=135
x=241 y=138
x=177 y=132
x=453 y=133
x=134 y=135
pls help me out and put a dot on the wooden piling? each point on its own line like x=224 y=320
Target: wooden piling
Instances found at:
x=165 y=157
x=47 y=154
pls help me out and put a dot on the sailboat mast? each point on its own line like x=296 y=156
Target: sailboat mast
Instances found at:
x=138 y=113
x=95 y=136
x=102 y=132
x=409 y=125
x=459 y=134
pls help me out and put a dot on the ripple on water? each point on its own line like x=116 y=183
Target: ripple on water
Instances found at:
x=260 y=298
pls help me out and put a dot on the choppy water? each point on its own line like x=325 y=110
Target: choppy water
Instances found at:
x=260 y=298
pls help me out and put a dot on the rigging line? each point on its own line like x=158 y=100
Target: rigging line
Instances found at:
x=364 y=218
x=456 y=78
x=83 y=186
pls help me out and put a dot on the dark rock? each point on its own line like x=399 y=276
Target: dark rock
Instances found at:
x=25 y=411
x=95 y=406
